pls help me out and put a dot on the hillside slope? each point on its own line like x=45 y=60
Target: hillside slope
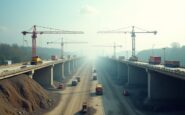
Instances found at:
x=21 y=94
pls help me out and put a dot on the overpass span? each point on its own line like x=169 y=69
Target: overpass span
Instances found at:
x=43 y=73
x=159 y=82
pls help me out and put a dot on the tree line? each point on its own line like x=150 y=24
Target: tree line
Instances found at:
x=19 y=54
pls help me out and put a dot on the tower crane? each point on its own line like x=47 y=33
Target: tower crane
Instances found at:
x=62 y=45
x=113 y=46
x=133 y=35
x=34 y=33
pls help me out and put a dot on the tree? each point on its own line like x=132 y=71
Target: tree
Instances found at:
x=175 y=45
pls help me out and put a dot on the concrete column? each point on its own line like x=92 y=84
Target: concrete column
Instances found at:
x=123 y=72
x=137 y=76
x=30 y=74
x=163 y=87
x=44 y=76
x=66 y=68
x=57 y=74
x=63 y=70
x=71 y=66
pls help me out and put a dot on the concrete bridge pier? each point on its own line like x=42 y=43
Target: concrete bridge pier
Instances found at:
x=165 y=88
x=66 y=68
x=123 y=72
x=72 y=66
x=57 y=72
x=30 y=73
x=44 y=76
x=137 y=76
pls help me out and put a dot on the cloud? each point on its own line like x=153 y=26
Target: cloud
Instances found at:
x=89 y=10
x=3 y=28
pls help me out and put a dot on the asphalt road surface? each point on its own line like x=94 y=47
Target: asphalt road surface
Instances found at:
x=72 y=97
x=112 y=102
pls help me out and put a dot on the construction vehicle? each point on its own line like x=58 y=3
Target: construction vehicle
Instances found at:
x=74 y=82
x=35 y=58
x=133 y=58
x=99 y=89
x=54 y=57
x=78 y=78
x=121 y=57
x=94 y=76
x=154 y=60
x=61 y=86
x=172 y=64
x=125 y=92
x=133 y=35
x=84 y=108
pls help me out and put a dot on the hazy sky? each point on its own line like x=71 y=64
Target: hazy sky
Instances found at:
x=90 y=16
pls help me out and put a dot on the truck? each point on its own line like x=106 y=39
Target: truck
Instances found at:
x=99 y=89
x=121 y=57
x=78 y=78
x=94 y=75
x=74 y=82
x=54 y=57
x=133 y=58
x=172 y=63
x=94 y=70
x=36 y=60
x=154 y=60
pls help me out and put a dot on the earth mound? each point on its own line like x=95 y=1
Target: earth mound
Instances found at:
x=21 y=95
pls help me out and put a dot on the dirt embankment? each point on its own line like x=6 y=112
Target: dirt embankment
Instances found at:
x=22 y=95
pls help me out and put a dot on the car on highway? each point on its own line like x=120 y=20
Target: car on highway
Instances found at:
x=99 y=89
x=61 y=86
x=125 y=92
x=78 y=78
x=94 y=75
x=74 y=82
x=84 y=108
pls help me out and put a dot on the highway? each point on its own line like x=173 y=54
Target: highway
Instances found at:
x=7 y=68
x=112 y=102
x=72 y=97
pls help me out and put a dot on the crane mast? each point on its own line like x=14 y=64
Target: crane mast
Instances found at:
x=113 y=46
x=133 y=36
x=62 y=45
x=35 y=59
x=35 y=32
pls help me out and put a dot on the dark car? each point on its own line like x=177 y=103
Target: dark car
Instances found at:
x=74 y=82
x=78 y=79
x=125 y=92
x=61 y=86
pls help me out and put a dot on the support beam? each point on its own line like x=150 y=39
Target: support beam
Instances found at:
x=44 y=76
x=123 y=72
x=163 y=87
x=137 y=76
x=58 y=72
